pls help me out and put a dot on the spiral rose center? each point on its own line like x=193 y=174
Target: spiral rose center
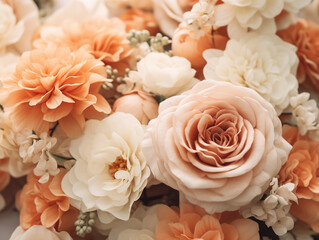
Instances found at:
x=117 y=165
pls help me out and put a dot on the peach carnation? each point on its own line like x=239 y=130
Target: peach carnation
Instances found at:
x=103 y=38
x=302 y=169
x=46 y=204
x=140 y=20
x=304 y=35
x=54 y=84
x=191 y=222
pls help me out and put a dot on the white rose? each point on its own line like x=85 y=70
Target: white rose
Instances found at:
x=39 y=232
x=164 y=75
x=10 y=30
x=247 y=15
x=110 y=172
x=263 y=63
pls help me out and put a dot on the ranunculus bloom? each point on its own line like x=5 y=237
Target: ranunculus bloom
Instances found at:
x=302 y=169
x=163 y=75
x=185 y=44
x=311 y=12
x=140 y=20
x=27 y=15
x=140 y=104
x=44 y=204
x=219 y=144
x=39 y=232
x=264 y=63
x=110 y=171
x=54 y=84
x=304 y=35
x=103 y=38
x=191 y=222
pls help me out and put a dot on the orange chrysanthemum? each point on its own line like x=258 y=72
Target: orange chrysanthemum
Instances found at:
x=55 y=84
x=103 y=38
x=192 y=222
x=304 y=35
x=302 y=169
x=46 y=204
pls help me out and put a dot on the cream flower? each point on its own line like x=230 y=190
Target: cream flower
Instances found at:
x=246 y=15
x=10 y=30
x=274 y=210
x=168 y=14
x=163 y=75
x=39 y=232
x=110 y=172
x=140 y=226
x=263 y=63
x=305 y=112
x=8 y=62
x=27 y=14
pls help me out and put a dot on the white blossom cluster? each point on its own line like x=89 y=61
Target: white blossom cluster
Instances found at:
x=274 y=210
x=200 y=16
x=305 y=112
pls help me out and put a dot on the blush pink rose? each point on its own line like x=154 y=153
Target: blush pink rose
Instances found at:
x=218 y=144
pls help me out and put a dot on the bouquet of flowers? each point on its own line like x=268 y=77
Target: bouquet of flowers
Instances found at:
x=160 y=119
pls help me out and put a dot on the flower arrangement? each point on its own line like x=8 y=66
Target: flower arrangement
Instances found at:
x=160 y=119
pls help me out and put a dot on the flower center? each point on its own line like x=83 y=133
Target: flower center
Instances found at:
x=117 y=165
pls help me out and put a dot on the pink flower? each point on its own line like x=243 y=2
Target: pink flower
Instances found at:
x=218 y=144
x=138 y=103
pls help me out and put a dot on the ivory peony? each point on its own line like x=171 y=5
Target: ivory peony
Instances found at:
x=243 y=16
x=219 y=144
x=39 y=232
x=55 y=84
x=110 y=172
x=263 y=63
x=163 y=75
